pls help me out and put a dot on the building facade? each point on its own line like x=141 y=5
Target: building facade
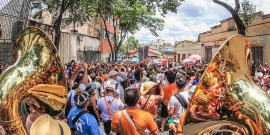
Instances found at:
x=87 y=34
x=258 y=35
x=186 y=48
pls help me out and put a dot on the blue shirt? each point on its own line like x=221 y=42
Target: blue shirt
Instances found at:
x=86 y=124
x=114 y=105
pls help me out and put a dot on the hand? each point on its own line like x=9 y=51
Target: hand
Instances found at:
x=85 y=65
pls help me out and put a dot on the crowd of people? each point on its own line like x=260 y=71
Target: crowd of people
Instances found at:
x=125 y=98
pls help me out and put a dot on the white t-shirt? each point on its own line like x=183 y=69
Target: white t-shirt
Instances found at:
x=119 y=90
x=178 y=108
x=98 y=90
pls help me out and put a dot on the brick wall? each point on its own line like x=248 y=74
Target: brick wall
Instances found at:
x=104 y=46
x=6 y=53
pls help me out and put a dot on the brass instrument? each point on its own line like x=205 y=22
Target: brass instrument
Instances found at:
x=226 y=100
x=36 y=78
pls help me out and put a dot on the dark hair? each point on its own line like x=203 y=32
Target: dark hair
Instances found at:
x=81 y=99
x=131 y=97
x=93 y=76
x=75 y=86
x=78 y=79
x=180 y=81
x=138 y=75
x=170 y=76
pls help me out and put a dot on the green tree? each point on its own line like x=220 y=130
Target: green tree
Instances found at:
x=132 y=43
x=58 y=8
x=131 y=16
x=243 y=15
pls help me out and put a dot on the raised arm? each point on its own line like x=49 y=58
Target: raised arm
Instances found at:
x=85 y=76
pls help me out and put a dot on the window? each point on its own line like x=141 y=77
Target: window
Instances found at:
x=64 y=22
x=112 y=36
x=117 y=38
x=257 y=54
x=208 y=54
x=103 y=32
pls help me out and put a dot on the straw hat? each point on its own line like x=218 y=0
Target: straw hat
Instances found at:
x=46 y=125
x=110 y=87
x=113 y=73
x=146 y=86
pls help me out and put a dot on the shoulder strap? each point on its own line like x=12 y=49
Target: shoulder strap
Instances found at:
x=132 y=123
x=146 y=101
x=78 y=116
x=120 y=123
x=181 y=99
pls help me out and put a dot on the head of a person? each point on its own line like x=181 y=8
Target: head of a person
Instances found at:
x=148 y=87
x=46 y=125
x=113 y=74
x=180 y=81
x=131 y=97
x=93 y=76
x=138 y=75
x=78 y=79
x=110 y=89
x=81 y=98
x=170 y=76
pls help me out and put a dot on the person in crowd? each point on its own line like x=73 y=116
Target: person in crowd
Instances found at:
x=117 y=86
x=179 y=129
x=169 y=90
x=138 y=80
x=79 y=120
x=33 y=115
x=46 y=125
x=133 y=121
x=93 y=104
x=99 y=92
x=178 y=102
x=81 y=82
x=149 y=99
x=2 y=130
x=104 y=77
x=145 y=78
x=108 y=106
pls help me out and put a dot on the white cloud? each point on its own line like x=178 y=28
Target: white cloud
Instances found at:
x=194 y=17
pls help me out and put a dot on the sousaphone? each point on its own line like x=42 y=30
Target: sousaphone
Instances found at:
x=226 y=100
x=36 y=78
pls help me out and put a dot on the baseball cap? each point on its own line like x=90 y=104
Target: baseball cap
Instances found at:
x=46 y=125
x=113 y=73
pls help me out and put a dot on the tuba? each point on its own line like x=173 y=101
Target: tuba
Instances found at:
x=36 y=78
x=226 y=100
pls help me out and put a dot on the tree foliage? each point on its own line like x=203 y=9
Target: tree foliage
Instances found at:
x=58 y=8
x=242 y=15
x=131 y=44
x=131 y=15
x=247 y=12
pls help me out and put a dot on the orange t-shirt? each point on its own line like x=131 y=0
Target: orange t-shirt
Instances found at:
x=169 y=90
x=142 y=119
x=104 y=77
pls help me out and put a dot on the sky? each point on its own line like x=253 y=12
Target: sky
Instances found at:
x=192 y=18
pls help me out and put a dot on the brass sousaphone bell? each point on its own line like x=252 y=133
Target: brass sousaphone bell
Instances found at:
x=226 y=100
x=36 y=77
